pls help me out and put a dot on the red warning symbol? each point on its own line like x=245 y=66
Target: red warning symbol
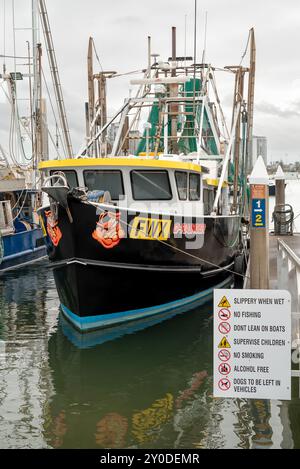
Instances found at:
x=224 y=328
x=224 y=314
x=224 y=384
x=224 y=368
x=224 y=355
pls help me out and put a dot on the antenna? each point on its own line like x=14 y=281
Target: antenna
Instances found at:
x=205 y=35
x=185 y=21
x=195 y=54
x=149 y=56
x=4 y=37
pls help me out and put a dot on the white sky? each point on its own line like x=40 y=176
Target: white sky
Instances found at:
x=120 y=29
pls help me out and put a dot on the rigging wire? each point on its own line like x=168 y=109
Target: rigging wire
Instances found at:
x=14 y=57
x=246 y=48
x=53 y=112
x=21 y=208
x=96 y=54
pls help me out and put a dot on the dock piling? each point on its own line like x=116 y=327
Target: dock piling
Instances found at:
x=259 y=228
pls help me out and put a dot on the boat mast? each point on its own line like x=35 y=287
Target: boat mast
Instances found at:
x=174 y=94
x=239 y=92
x=91 y=97
x=56 y=78
x=251 y=84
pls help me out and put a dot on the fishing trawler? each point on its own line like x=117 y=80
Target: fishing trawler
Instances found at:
x=21 y=237
x=144 y=225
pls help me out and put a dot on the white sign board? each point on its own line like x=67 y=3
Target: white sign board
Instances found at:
x=252 y=344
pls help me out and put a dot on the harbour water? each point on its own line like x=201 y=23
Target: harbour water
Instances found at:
x=148 y=389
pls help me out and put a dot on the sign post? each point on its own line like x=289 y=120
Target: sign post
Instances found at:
x=252 y=344
x=259 y=230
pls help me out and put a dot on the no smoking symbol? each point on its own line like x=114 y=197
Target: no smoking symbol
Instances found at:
x=224 y=328
x=224 y=384
x=224 y=355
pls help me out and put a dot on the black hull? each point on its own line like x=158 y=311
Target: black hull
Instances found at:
x=136 y=278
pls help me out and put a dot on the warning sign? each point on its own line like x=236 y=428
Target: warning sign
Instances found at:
x=224 y=369
x=224 y=355
x=224 y=314
x=224 y=327
x=258 y=191
x=224 y=343
x=224 y=384
x=224 y=303
x=252 y=344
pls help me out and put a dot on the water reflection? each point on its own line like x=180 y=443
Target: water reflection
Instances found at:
x=149 y=389
x=126 y=392
x=26 y=321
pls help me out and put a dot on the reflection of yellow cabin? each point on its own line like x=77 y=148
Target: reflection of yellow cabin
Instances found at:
x=148 y=420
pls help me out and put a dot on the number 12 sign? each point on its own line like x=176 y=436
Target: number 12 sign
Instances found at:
x=258 y=213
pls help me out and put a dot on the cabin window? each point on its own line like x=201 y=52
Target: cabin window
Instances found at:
x=71 y=177
x=150 y=185
x=106 y=180
x=208 y=200
x=182 y=184
x=194 y=189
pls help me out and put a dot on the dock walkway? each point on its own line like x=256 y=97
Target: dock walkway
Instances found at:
x=285 y=273
x=293 y=242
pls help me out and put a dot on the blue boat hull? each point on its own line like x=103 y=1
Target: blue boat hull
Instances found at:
x=22 y=248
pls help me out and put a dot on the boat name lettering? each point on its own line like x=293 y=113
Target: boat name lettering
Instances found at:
x=189 y=228
x=150 y=228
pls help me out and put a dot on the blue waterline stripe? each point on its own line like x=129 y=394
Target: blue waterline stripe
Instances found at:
x=110 y=319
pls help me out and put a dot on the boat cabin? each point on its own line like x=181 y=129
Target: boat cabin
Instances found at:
x=156 y=185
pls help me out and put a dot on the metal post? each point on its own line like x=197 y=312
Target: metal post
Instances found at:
x=280 y=227
x=279 y=187
x=259 y=229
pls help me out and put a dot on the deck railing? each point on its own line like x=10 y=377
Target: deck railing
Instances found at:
x=288 y=269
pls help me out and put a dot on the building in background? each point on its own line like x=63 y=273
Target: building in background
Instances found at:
x=259 y=147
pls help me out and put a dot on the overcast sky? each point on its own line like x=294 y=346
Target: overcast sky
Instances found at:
x=120 y=29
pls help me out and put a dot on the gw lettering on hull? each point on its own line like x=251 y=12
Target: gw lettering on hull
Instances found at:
x=150 y=229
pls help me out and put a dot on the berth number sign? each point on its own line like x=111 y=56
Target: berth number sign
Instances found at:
x=258 y=213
